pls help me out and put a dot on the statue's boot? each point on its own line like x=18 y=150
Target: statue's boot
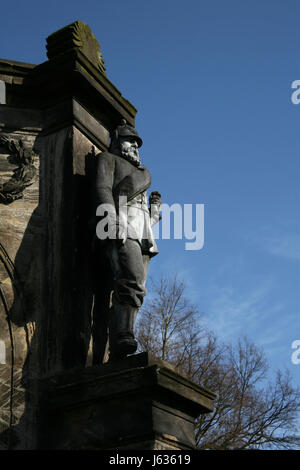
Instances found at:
x=122 y=340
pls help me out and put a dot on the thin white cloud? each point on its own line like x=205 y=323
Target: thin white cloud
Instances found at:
x=232 y=313
x=284 y=242
x=287 y=246
x=256 y=314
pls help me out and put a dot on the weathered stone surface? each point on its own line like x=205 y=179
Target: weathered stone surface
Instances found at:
x=19 y=279
x=12 y=402
x=20 y=123
x=76 y=35
x=137 y=403
x=14 y=72
x=42 y=86
x=14 y=220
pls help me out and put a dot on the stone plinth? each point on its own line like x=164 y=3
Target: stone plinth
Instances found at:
x=137 y=403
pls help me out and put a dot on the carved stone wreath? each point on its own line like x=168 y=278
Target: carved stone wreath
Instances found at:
x=23 y=175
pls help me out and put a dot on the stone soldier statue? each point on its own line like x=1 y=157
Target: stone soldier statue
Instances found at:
x=124 y=235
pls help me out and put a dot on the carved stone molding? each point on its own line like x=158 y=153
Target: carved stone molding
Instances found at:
x=77 y=35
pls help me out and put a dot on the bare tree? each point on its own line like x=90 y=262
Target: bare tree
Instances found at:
x=165 y=319
x=250 y=413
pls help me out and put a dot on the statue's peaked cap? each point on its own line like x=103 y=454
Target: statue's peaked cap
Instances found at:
x=125 y=130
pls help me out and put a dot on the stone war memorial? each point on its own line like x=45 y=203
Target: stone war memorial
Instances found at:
x=75 y=245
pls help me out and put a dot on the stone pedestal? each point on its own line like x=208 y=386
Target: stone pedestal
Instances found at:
x=137 y=403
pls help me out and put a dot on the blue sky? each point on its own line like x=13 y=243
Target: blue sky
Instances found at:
x=212 y=82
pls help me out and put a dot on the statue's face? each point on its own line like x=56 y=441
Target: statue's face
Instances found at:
x=129 y=148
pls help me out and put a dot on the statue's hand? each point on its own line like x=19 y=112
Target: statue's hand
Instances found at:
x=155 y=204
x=155 y=198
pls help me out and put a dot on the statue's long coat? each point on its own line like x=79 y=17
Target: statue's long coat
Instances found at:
x=113 y=176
